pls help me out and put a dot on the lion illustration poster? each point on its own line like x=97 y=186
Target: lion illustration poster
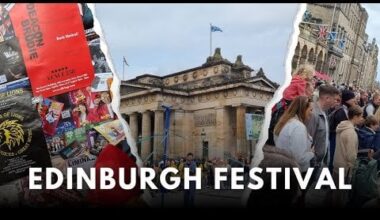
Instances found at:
x=22 y=143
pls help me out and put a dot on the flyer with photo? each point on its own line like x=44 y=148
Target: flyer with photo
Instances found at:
x=11 y=61
x=50 y=112
x=112 y=131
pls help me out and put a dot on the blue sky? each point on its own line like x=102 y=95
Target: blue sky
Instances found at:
x=165 y=38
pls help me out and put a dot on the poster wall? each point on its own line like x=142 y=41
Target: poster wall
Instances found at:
x=55 y=99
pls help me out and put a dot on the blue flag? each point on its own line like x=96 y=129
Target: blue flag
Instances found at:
x=331 y=36
x=215 y=28
x=306 y=16
x=125 y=61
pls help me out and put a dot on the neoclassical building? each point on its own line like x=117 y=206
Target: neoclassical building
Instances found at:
x=208 y=103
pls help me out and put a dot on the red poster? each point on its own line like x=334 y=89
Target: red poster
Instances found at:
x=54 y=47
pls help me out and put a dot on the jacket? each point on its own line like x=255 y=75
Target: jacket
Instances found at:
x=294 y=139
x=296 y=88
x=346 y=147
x=369 y=109
x=336 y=117
x=316 y=126
x=376 y=141
x=366 y=138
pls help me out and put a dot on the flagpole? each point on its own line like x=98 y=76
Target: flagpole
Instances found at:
x=210 y=40
x=333 y=16
x=331 y=28
x=123 y=68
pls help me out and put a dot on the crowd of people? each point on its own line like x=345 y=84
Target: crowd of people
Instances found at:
x=321 y=124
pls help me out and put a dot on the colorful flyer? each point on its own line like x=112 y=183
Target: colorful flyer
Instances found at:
x=50 y=112
x=54 y=47
x=112 y=131
x=11 y=61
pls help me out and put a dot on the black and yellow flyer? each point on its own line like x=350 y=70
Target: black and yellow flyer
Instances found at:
x=22 y=143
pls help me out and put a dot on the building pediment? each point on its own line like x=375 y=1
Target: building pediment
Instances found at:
x=261 y=82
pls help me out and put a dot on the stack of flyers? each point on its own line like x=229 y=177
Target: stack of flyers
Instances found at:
x=112 y=131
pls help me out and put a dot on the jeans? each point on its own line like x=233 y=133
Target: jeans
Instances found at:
x=332 y=151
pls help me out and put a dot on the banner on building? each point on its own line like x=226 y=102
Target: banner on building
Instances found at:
x=253 y=125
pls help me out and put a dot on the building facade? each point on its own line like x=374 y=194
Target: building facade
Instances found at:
x=208 y=105
x=350 y=57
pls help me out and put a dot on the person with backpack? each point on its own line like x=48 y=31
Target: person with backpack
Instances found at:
x=337 y=116
x=346 y=151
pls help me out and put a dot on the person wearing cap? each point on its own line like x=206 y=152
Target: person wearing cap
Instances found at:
x=337 y=116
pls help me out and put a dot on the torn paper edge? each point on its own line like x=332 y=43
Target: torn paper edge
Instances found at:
x=115 y=86
x=292 y=43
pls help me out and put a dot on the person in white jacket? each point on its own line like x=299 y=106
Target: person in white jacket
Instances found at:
x=291 y=134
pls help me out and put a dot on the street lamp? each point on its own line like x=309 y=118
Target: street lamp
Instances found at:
x=204 y=151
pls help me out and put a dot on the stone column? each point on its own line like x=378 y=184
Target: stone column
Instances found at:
x=133 y=125
x=221 y=132
x=241 y=141
x=146 y=146
x=177 y=148
x=158 y=146
x=188 y=130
